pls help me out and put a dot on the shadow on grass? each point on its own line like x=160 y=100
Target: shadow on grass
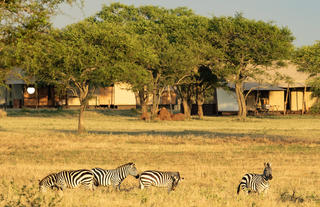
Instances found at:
x=68 y=112
x=288 y=116
x=257 y=137
x=117 y=112
x=42 y=112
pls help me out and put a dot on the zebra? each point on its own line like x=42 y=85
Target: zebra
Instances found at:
x=159 y=179
x=114 y=177
x=48 y=182
x=75 y=178
x=255 y=182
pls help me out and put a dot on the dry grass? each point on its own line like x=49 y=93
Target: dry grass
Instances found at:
x=212 y=155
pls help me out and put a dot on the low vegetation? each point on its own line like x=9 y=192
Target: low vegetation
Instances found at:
x=211 y=154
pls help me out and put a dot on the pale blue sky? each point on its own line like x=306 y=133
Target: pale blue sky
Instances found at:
x=302 y=17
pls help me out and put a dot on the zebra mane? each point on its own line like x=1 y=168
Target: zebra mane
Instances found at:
x=130 y=163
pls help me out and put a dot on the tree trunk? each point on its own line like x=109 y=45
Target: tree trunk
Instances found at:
x=186 y=108
x=81 y=127
x=304 y=107
x=6 y=99
x=155 y=94
x=200 y=101
x=200 y=109
x=286 y=102
x=242 y=114
x=37 y=97
x=185 y=92
x=143 y=98
x=83 y=97
x=154 y=110
x=170 y=100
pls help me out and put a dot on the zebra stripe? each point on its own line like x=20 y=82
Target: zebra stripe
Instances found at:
x=169 y=180
x=48 y=182
x=114 y=177
x=257 y=183
x=74 y=179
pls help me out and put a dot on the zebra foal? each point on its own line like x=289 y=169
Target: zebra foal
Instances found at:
x=114 y=177
x=257 y=183
x=168 y=180
x=67 y=179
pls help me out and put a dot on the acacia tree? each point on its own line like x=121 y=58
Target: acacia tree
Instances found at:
x=80 y=57
x=205 y=80
x=154 y=28
x=247 y=47
x=22 y=19
x=195 y=57
x=308 y=60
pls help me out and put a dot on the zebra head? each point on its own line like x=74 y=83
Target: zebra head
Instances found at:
x=175 y=178
x=133 y=170
x=47 y=182
x=267 y=173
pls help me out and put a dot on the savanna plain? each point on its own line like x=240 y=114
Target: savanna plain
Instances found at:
x=211 y=154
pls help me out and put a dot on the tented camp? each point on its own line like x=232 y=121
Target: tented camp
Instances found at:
x=18 y=95
x=292 y=95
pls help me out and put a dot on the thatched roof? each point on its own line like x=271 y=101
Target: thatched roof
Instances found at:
x=280 y=77
x=299 y=79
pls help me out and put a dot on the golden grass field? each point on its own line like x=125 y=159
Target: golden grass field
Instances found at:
x=211 y=154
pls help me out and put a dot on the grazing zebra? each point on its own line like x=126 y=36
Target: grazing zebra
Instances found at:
x=255 y=182
x=159 y=179
x=48 y=182
x=114 y=177
x=75 y=178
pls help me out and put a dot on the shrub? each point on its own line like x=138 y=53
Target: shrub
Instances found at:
x=315 y=109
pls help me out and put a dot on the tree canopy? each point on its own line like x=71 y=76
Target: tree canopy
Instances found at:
x=308 y=60
x=79 y=57
x=149 y=47
x=246 y=48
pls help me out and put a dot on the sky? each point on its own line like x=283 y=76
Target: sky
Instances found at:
x=302 y=17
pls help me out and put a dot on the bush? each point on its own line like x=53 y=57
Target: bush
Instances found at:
x=315 y=109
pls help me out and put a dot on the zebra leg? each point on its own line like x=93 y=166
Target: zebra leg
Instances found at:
x=90 y=186
x=172 y=186
x=118 y=187
x=141 y=186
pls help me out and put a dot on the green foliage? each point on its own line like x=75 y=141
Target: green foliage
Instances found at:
x=315 y=109
x=308 y=60
x=247 y=45
x=246 y=48
x=22 y=19
x=83 y=52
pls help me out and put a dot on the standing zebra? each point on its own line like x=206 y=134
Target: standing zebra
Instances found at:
x=48 y=182
x=114 y=177
x=75 y=178
x=255 y=182
x=169 y=180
